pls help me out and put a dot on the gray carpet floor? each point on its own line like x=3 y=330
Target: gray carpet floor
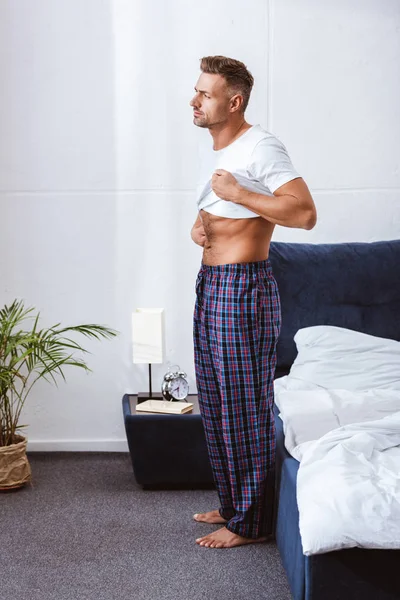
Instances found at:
x=85 y=530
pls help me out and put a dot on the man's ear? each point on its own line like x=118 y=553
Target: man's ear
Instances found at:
x=236 y=102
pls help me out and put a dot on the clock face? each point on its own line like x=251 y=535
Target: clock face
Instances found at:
x=179 y=388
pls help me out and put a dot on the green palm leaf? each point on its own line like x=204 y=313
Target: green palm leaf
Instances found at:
x=27 y=355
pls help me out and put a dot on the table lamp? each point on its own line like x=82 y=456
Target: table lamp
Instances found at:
x=148 y=342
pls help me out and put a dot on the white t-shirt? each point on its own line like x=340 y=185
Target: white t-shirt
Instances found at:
x=257 y=160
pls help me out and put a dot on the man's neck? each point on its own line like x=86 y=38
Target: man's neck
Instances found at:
x=227 y=135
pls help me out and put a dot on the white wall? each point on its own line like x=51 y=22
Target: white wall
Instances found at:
x=98 y=163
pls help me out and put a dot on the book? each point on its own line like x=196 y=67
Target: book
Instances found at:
x=164 y=406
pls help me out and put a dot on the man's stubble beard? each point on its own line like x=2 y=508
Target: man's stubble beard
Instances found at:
x=205 y=124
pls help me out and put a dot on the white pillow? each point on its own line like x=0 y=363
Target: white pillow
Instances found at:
x=334 y=357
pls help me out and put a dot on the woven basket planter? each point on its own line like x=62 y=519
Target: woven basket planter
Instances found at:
x=15 y=470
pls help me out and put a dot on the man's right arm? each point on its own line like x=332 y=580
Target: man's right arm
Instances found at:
x=197 y=232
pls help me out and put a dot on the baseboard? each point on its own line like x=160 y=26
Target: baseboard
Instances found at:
x=77 y=446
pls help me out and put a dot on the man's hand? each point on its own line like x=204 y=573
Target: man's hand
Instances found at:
x=225 y=186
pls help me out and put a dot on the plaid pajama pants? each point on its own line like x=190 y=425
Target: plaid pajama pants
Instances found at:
x=236 y=325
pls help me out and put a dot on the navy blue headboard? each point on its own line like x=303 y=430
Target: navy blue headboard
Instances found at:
x=354 y=285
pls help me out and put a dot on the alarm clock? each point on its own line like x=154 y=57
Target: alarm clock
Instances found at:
x=175 y=385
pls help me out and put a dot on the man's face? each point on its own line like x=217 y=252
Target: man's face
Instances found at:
x=211 y=101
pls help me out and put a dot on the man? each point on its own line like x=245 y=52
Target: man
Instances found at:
x=248 y=185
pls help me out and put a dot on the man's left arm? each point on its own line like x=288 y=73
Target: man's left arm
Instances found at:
x=291 y=205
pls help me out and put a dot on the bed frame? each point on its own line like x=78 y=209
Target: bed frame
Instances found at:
x=352 y=285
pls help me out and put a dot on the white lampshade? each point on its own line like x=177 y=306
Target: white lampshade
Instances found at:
x=148 y=335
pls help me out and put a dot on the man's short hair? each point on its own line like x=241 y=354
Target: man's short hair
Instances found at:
x=239 y=80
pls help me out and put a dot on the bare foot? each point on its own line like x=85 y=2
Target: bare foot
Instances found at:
x=209 y=517
x=223 y=538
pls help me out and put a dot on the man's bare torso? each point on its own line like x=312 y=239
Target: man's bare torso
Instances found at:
x=235 y=240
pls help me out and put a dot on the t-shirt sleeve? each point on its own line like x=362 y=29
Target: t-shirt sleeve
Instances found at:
x=270 y=164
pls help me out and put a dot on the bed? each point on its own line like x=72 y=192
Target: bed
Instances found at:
x=354 y=286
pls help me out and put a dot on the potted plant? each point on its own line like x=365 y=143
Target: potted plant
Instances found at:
x=27 y=355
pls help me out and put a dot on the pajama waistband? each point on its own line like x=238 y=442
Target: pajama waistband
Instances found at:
x=238 y=268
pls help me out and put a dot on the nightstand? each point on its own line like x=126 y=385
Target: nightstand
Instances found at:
x=167 y=450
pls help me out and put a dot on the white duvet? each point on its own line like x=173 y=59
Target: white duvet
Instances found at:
x=348 y=445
